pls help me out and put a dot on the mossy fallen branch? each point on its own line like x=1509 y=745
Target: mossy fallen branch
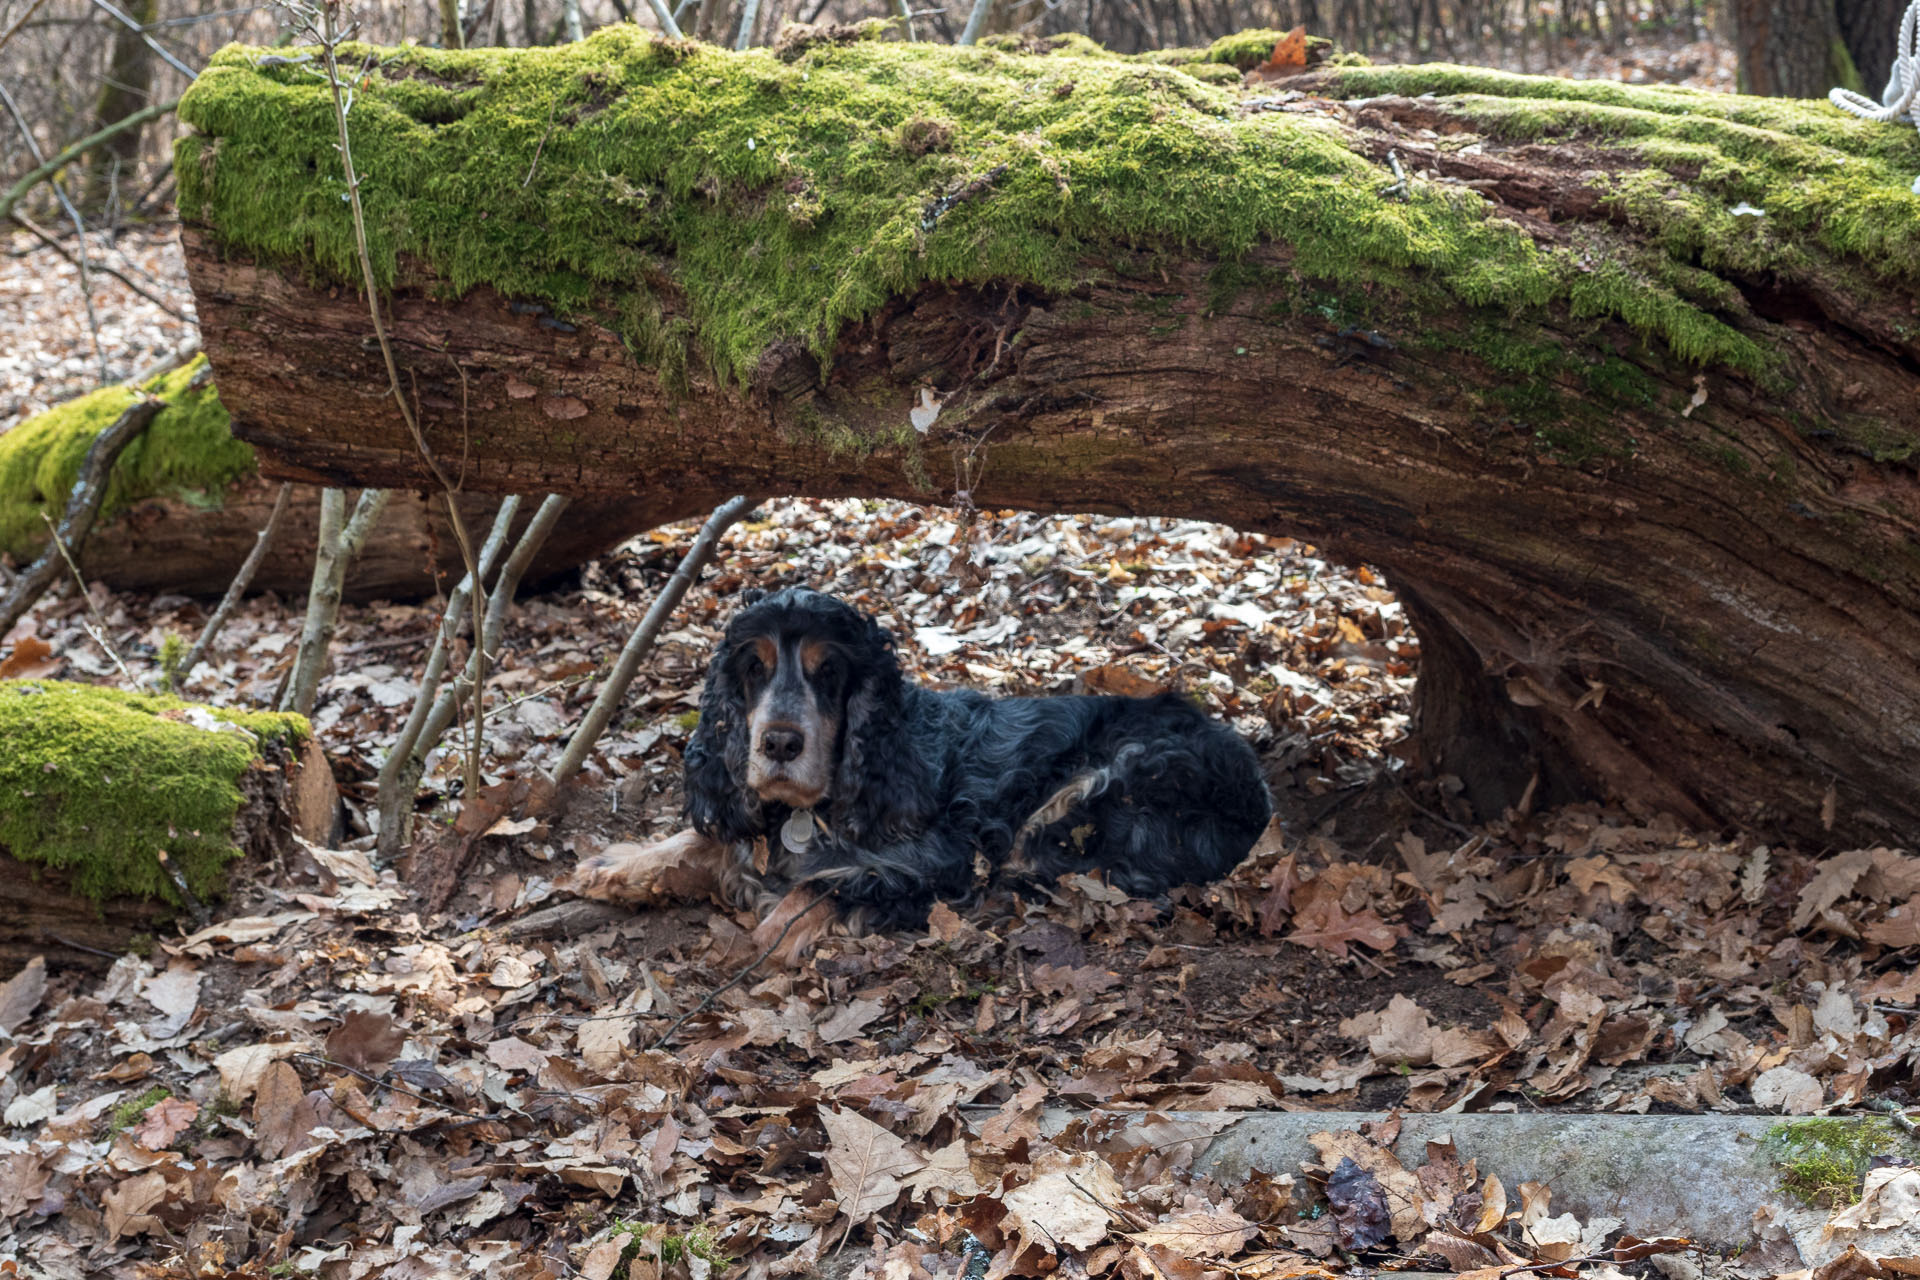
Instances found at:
x=95 y=781
x=187 y=453
x=775 y=200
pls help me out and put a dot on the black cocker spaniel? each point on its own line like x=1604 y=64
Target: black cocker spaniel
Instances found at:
x=879 y=793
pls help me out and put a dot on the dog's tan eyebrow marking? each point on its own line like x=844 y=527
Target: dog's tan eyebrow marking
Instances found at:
x=767 y=651
x=812 y=654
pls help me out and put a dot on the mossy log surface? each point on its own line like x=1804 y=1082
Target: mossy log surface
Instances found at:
x=186 y=500
x=96 y=783
x=1619 y=386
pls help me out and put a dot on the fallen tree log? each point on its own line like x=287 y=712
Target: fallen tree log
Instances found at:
x=1617 y=384
x=184 y=506
x=120 y=811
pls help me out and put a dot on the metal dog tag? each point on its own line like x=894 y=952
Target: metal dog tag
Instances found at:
x=797 y=831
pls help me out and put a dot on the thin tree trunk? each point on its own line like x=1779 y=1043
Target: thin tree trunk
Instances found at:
x=340 y=540
x=452 y=35
x=394 y=797
x=124 y=92
x=1791 y=48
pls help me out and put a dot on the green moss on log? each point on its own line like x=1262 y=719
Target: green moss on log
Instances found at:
x=780 y=196
x=96 y=782
x=187 y=453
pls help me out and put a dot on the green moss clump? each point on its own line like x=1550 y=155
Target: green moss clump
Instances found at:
x=1823 y=1161
x=128 y=1113
x=96 y=781
x=765 y=198
x=654 y=1240
x=187 y=452
x=773 y=201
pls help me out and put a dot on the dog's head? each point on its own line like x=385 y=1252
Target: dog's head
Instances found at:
x=800 y=693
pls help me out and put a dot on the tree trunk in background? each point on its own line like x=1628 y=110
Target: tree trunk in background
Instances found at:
x=125 y=90
x=1791 y=48
x=1869 y=28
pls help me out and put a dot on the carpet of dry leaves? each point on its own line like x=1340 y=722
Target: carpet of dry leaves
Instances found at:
x=332 y=1081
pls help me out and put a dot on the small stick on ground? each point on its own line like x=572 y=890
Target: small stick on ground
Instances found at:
x=238 y=588
x=640 y=643
x=187 y=896
x=83 y=508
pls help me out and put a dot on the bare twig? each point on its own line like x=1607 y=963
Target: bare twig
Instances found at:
x=73 y=216
x=435 y=724
x=329 y=38
x=146 y=39
x=95 y=626
x=14 y=30
x=187 y=896
x=600 y=714
x=66 y=155
x=83 y=508
x=236 y=589
x=49 y=240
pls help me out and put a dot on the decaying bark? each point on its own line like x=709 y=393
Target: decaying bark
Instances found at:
x=1712 y=614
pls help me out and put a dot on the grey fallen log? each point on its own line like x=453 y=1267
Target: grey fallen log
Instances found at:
x=1702 y=1177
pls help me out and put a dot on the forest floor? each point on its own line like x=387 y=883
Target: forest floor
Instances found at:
x=333 y=1080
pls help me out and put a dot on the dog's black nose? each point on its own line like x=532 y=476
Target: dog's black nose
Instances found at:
x=782 y=745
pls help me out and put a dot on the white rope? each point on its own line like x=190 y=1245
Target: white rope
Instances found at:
x=1897 y=103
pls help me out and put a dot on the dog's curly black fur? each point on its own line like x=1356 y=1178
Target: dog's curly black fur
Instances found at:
x=1149 y=792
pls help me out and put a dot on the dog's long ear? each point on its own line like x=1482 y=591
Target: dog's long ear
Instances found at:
x=718 y=803
x=882 y=790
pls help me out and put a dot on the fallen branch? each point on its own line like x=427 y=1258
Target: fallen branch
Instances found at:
x=600 y=714
x=83 y=508
x=241 y=581
x=340 y=540
x=66 y=155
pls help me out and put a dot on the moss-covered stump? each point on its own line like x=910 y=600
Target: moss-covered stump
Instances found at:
x=1618 y=383
x=96 y=784
x=186 y=501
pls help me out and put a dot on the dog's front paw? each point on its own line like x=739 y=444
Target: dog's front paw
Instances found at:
x=683 y=866
x=615 y=874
